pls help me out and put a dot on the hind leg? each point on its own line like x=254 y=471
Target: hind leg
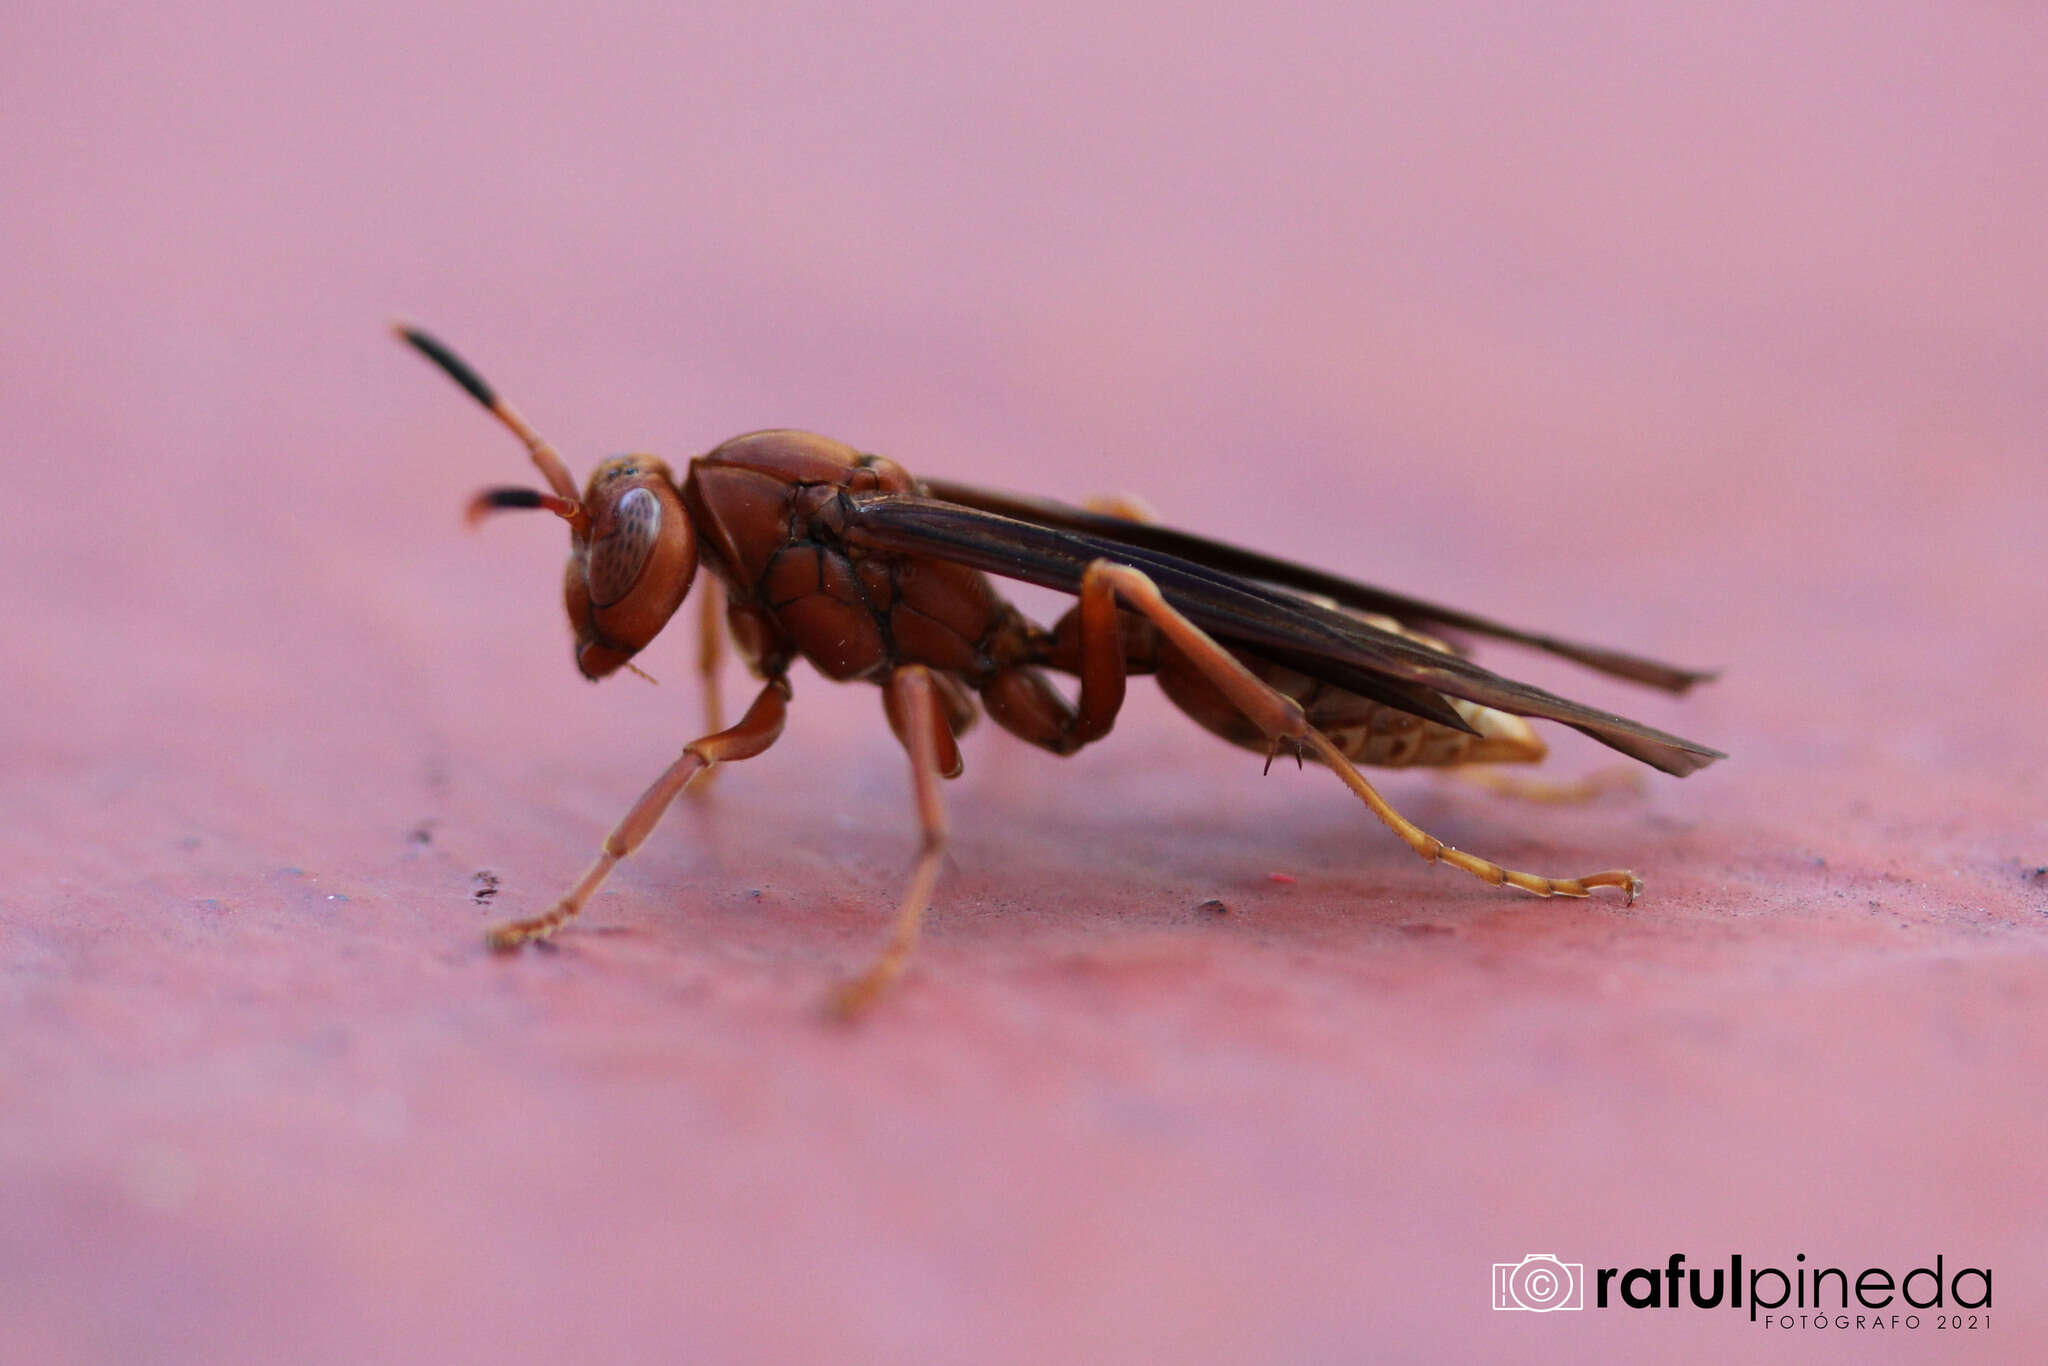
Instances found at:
x=1524 y=787
x=1281 y=719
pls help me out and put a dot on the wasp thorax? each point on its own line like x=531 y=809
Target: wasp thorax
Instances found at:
x=630 y=563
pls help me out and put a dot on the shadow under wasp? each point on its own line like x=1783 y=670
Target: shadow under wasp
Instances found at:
x=847 y=561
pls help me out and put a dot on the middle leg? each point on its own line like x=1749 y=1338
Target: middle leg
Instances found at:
x=912 y=697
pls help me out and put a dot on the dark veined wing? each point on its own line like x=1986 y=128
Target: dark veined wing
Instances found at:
x=1251 y=564
x=1266 y=619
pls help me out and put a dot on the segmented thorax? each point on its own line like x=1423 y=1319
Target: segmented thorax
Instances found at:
x=768 y=507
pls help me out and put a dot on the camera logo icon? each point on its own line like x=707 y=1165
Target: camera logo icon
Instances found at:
x=1539 y=1282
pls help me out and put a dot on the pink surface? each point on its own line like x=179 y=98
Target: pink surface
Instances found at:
x=1712 y=333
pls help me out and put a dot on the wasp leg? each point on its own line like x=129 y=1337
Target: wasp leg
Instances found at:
x=1549 y=791
x=1284 y=722
x=757 y=730
x=1091 y=644
x=710 y=655
x=1129 y=506
x=911 y=700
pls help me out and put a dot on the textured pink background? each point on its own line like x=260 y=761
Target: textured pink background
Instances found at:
x=1712 y=331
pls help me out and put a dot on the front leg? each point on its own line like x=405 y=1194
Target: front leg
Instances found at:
x=757 y=730
x=710 y=656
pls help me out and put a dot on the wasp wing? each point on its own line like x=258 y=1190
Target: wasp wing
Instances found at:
x=1236 y=560
x=1266 y=619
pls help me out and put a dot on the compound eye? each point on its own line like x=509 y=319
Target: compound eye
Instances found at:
x=618 y=557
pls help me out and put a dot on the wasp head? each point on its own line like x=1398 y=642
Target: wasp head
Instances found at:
x=631 y=559
x=632 y=553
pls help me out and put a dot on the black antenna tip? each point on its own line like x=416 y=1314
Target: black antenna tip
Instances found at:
x=451 y=364
x=510 y=498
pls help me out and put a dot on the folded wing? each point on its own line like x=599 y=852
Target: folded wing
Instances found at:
x=1257 y=604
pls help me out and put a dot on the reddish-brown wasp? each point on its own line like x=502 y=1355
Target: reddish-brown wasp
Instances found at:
x=845 y=560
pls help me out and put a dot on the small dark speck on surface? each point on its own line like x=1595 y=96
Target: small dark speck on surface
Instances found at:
x=1214 y=907
x=486 y=887
x=423 y=833
x=754 y=893
x=545 y=946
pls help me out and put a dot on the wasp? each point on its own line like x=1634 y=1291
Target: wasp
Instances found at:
x=843 y=559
